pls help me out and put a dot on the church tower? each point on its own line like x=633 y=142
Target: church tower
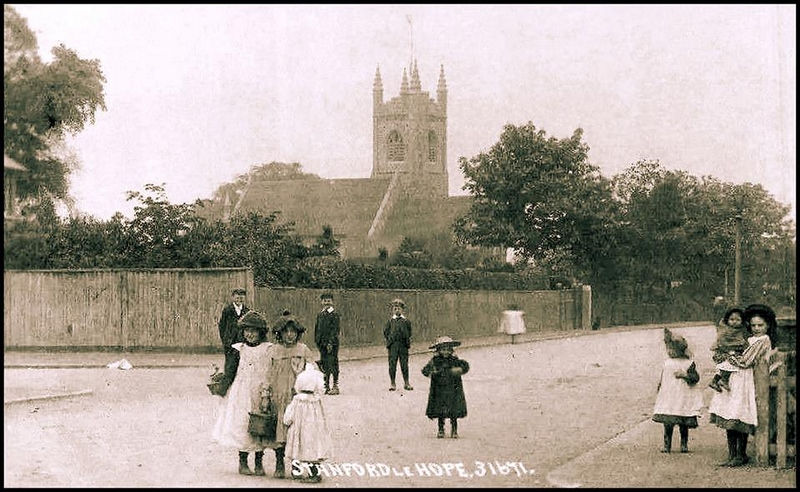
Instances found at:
x=409 y=134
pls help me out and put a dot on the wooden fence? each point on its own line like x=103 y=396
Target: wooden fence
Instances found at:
x=458 y=314
x=118 y=309
x=776 y=406
x=179 y=309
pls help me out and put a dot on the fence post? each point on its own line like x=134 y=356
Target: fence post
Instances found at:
x=780 y=410
x=586 y=307
x=761 y=380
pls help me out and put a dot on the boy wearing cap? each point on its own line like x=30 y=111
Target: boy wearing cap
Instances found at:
x=397 y=334
x=326 y=337
x=446 y=396
x=230 y=333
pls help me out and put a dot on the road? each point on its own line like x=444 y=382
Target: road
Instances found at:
x=539 y=404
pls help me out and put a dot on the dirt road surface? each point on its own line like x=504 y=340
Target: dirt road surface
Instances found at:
x=539 y=404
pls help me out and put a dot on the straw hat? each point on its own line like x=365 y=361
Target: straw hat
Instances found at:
x=444 y=340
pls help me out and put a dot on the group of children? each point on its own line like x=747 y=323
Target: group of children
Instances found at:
x=285 y=374
x=678 y=401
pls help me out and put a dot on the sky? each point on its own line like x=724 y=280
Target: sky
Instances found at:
x=197 y=94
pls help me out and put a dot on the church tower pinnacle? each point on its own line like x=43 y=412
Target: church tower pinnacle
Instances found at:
x=416 y=85
x=404 y=83
x=377 y=89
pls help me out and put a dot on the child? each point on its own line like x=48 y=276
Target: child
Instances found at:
x=244 y=394
x=287 y=358
x=230 y=333
x=512 y=322
x=678 y=401
x=308 y=438
x=446 y=395
x=397 y=334
x=326 y=337
x=731 y=340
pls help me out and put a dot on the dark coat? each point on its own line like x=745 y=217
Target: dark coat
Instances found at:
x=326 y=329
x=397 y=330
x=446 y=395
x=229 y=331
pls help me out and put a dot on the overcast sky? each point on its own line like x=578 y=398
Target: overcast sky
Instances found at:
x=197 y=94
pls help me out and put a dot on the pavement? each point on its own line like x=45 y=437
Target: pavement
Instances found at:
x=629 y=459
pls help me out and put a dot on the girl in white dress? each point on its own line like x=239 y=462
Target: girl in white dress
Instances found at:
x=679 y=401
x=735 y=410
x=308 y=439
x=244 y=394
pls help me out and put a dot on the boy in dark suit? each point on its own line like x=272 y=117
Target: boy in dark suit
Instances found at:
x=230 y=333
x=397 y=334
x=326 y=337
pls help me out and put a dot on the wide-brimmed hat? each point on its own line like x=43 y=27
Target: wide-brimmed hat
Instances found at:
x=239 y=291
x=397 y=302
x=326 y=295
x=444 y=340
x=254 y=319
x=762 y=310
x=287 y=321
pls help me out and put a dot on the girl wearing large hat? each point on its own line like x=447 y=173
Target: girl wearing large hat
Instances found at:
x=446 y=395
x=243 y=395
x=735 y=410
x=286 y=359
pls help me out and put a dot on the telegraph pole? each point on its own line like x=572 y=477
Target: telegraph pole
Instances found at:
x=737 y=275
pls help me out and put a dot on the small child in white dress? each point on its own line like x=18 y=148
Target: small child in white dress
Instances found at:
x=679 y=401
x=308 y=439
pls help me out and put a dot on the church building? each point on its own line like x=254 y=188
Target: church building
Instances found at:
x=406 y=194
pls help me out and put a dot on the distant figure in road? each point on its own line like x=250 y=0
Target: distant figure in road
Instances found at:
x=731 y=340
x=446 y=395
x=397 y=334
x=308 y=440
x=244 y=394
x=679 y=400
x=735 y=410
x=512 y=322
x=326 y=337
x=230 y=333
x=287 y=358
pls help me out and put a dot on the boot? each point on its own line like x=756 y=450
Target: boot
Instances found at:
x=314 y=476
x=408 y=386
x=335 y=389
x=732 y=440
x=667 y=439
x=259 y=468
x=393 y=387
x=243 y=468
x=440 y=434
x=743 y=447
x=454 y=428
x=280 y=467
x=684 y=438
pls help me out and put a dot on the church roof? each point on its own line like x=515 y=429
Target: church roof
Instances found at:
x=347 y=205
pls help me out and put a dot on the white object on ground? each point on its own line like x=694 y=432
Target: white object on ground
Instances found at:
x=120 y=364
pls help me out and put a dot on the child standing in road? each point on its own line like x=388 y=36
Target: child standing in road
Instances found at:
x=731 y=340
x=397 y=334
x=308 y=439
x=678 y=401
x=446 y=395
x=244 y=394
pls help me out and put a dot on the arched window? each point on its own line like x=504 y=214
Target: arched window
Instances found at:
x=397 y=150
x=431 y=146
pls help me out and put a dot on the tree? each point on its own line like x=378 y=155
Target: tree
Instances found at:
x=42 y=103
x=540 y=196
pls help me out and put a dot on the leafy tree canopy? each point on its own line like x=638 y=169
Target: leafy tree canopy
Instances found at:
x=42 y=103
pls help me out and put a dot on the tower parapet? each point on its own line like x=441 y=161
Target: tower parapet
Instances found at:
x=410 y=135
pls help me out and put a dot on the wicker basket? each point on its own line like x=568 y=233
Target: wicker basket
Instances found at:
x=263 y=425
x=216 y=386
